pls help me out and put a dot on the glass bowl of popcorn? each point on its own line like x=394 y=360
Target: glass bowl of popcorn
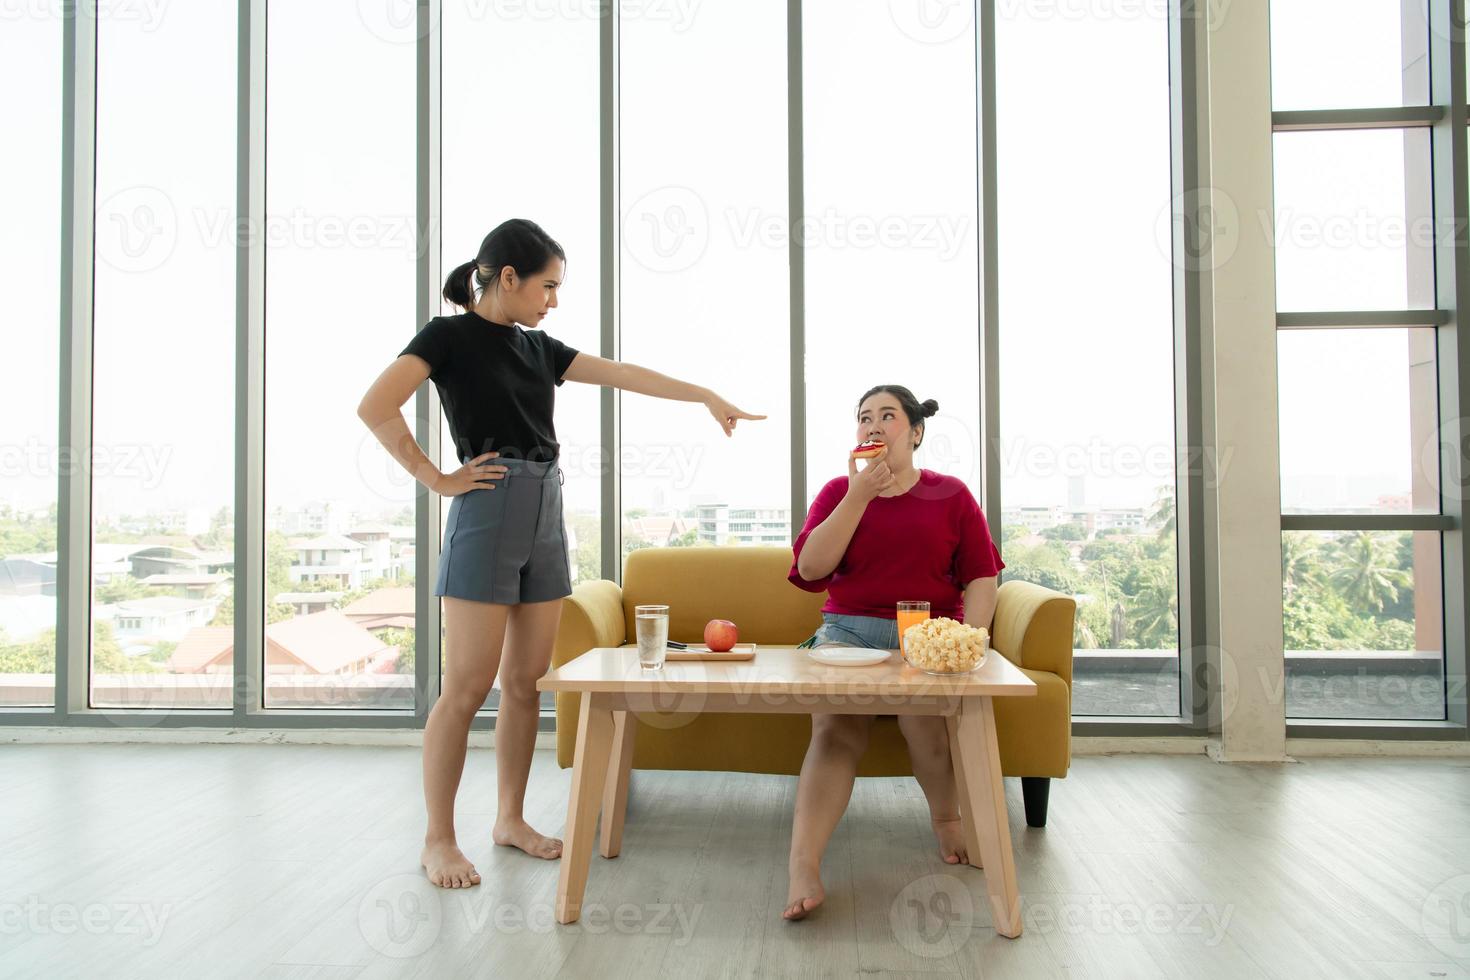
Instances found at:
x=944 y=646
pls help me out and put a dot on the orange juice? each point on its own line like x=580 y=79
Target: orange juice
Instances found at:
x=910 y=613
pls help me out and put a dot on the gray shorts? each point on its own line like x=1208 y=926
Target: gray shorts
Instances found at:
x=508 y=545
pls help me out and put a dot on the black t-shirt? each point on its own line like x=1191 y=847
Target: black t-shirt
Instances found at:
x=497 y=383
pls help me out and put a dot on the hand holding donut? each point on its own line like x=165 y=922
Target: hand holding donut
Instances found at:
x=870 y=482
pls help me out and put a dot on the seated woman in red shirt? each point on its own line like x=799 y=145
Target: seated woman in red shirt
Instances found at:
x=873 y=538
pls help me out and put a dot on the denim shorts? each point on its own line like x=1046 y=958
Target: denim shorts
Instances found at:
x=840 y=629
x=508 y=545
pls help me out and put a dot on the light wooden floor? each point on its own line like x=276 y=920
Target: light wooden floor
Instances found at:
x=301 y=861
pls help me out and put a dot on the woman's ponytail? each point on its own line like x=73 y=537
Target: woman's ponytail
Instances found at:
x=457 y=287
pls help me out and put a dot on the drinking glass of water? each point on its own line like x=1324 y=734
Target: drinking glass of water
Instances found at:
x=653 y=635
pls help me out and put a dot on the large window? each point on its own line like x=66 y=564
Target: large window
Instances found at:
x=1087 y=339
x=489 y=50
x=1363 y=596
x=30 y=244
x=1348 y=53
x=704 y=268
x=889 y=269
x=339 y=307
x=163 y=474
x=891 y=230
x=1353 y=220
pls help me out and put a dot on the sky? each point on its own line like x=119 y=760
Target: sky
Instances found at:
x=891 y=239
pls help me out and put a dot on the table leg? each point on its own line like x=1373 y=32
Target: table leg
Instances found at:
x=589 y=773
x=985 y=793
x=615 y=798
x=967 y=817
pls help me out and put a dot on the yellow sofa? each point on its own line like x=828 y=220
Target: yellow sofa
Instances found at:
x=1032 y=628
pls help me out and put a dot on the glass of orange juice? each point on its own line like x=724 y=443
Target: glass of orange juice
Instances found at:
x=910 y=613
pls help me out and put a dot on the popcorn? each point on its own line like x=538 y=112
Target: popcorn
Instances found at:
x=945 y=646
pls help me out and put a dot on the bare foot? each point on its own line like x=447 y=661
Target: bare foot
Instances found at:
x=447 y=866
x=951 y=834
x=518 y=833
x=804 y=896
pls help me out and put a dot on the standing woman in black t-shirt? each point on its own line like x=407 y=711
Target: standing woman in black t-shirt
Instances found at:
x=504 y=568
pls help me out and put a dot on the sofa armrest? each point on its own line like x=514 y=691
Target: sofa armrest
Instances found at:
x=592 y=616
x=1033 y=628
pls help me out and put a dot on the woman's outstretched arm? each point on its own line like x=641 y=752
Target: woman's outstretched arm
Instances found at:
x=590 y=369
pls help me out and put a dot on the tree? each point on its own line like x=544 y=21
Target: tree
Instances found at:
x=108 y=658
x=20 y=536
x=1366 y=573
x=1164 y=513
x=1013 y=532
x=1092 y=625
x=125 y=587
x=37 y=656
x=1301 y=562
x=1153 y=621
x=403 y=639
x=1047 y=564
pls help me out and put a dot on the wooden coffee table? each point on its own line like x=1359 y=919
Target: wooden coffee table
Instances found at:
x=784 y=680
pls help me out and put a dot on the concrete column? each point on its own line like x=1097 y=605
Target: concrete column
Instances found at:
x=1242 y=352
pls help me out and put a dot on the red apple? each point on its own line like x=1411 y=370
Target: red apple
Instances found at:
x=720 y=635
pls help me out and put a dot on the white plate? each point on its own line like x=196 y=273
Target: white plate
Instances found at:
x=848 y=656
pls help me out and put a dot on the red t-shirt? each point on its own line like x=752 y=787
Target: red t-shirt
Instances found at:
x=928 y=543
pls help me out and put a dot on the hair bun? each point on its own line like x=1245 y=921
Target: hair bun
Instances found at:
x=930 y=407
